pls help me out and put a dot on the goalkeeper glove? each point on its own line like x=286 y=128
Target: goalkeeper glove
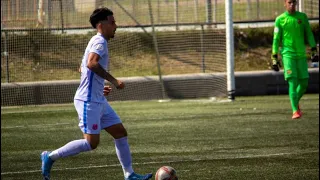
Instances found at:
x=275 y=62
x=314 y=55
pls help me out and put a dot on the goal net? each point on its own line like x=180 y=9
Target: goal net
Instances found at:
x=43 y=41
x=310 y=7
x=40 y=60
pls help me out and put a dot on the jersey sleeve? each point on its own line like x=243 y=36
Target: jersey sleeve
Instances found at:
x=308 y=32
x=98 y=47
x=277 y=33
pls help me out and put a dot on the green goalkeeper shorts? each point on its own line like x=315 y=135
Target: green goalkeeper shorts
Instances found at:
x=295 y=67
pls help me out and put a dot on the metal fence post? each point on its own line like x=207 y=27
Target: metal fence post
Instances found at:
x=155 y=43
x=209 y=11
x=6 y=54
x=300 y=5
x=158 y=12
x=61 y=16
x=202 y=49
x=133 y=5
x=258 y=9
x=49 y=13
x=215 y=11
x=249 y=9
x=196 y=7
x=311 y=8
x=176 y=13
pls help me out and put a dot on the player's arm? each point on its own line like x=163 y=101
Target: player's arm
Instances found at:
x=311 y=41
x=309 y=33
x=277 y=33
x=94 y=66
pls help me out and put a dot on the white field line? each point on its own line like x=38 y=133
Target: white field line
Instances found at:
x=37 y=125
x=149 y=118
x=58 y=124
x=162 y=162
x=35 y=111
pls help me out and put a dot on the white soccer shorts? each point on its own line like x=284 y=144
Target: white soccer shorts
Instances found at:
x=93 y=117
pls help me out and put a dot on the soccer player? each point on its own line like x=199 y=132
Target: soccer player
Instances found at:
x=94 y=112
x=291 y=29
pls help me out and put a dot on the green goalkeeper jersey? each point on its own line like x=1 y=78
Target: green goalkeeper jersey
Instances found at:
x=291 y=30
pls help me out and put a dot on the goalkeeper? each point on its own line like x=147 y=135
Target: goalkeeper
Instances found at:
x=291 y=29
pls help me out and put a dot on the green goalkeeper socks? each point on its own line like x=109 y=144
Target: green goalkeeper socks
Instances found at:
x=297 y=88
x=302 y=87
x=293 y=84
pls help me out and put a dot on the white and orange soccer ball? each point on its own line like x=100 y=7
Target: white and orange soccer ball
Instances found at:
x=166 y=173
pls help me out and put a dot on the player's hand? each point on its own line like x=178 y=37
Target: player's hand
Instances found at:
x=106 y=90
x=275 y=62
x=314 y=55
x=120 y=84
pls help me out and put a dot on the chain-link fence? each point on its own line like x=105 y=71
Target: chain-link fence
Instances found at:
x=38 y=41
x=75 y=13
x=44 y=40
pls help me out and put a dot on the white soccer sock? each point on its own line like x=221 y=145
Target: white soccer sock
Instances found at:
x=124 y=155
x=70 y=149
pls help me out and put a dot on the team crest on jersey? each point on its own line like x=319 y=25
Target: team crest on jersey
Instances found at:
x=299 y=21
x=95 y=126
x=289 y=71
x=99 y=47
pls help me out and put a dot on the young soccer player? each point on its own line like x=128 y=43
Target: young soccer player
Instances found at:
x=291 y=29
x=94 y=112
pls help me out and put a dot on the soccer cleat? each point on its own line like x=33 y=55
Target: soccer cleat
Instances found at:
x=296 y=115
x=299 y=110
x=135 y=176
x=46 y=165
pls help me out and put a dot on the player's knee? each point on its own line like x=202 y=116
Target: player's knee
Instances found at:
x=304 y=82
x=124 y=133
x=117 y=131
x=93 y=140
x=121 y=133
x=94 y=145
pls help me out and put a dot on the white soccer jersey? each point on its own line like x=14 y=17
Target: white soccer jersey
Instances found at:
x=91 y=85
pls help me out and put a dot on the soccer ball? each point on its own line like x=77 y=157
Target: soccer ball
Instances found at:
x=166 y=173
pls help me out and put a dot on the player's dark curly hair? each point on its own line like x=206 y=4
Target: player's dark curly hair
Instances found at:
x=98 y=15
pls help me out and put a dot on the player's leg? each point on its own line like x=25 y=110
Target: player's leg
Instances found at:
x=290 y=75
x=303 y=77
x=89 y=122
x=72 y=148
x=119 y=133
x=293 y=84
x=113 y=125
x=301 y=89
